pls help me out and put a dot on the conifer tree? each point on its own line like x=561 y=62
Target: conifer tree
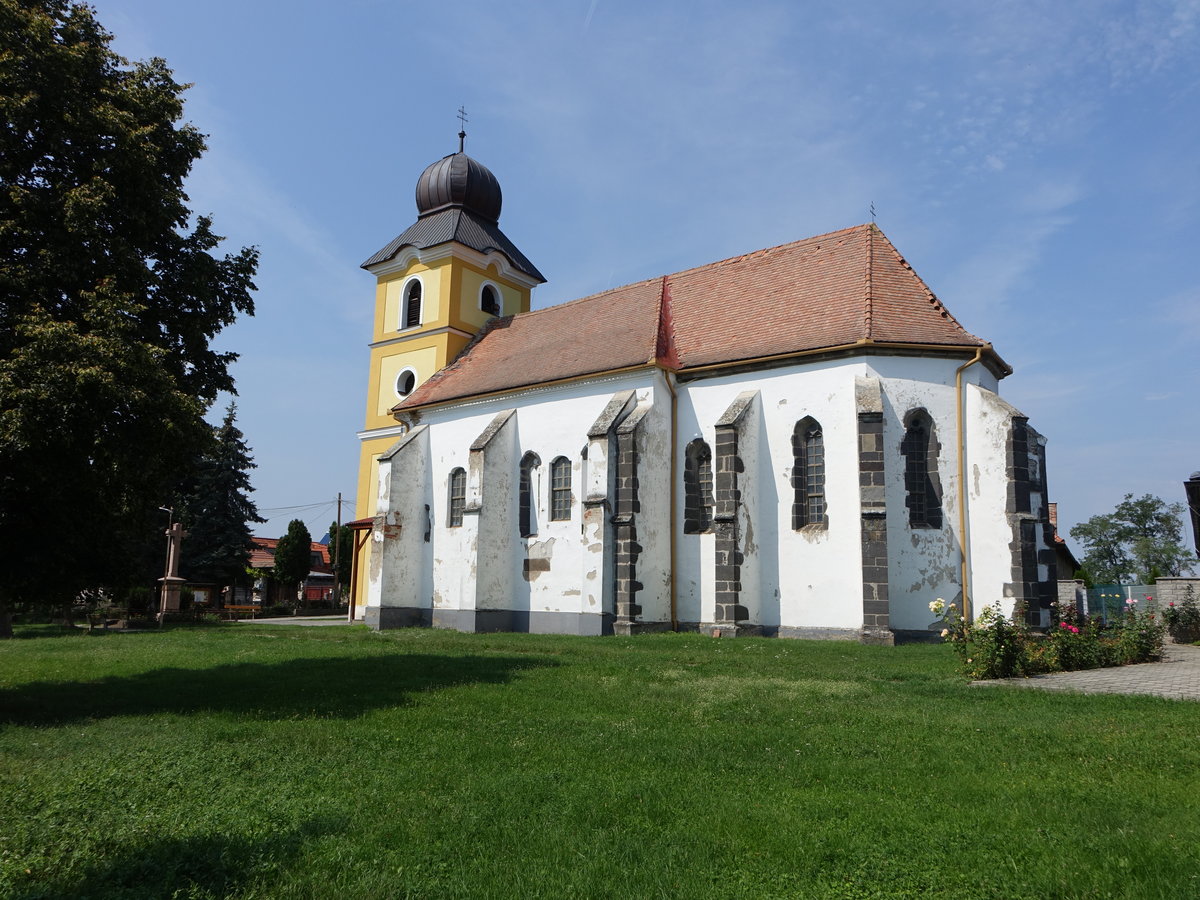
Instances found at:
x=217 y=509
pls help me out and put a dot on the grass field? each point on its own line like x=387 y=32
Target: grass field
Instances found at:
x=258 y=761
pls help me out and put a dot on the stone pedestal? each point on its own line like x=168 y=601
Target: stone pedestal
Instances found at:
x=171 y=587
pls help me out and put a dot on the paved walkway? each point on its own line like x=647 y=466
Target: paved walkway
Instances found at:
x=1176 y=677
x=297 y=620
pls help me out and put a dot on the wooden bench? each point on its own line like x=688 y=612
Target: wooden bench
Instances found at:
x=234 y=611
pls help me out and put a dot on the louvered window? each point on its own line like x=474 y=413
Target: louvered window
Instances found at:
x=489 y=301
x=412 y=305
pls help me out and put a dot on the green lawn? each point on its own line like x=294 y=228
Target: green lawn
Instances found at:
x=251 y=761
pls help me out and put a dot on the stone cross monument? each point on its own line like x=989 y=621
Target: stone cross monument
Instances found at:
x=171 y=582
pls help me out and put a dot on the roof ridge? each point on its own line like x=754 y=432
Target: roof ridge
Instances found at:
x=933 y=299
x=697 y=268
x=869 y=286
x=665 y=353
x=766 y=250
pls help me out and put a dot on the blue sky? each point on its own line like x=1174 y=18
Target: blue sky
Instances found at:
x=1036 y=162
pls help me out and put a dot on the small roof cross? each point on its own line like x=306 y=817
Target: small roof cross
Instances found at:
x=462 y=128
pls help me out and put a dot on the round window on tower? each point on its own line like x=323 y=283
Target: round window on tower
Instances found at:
x=405 y=382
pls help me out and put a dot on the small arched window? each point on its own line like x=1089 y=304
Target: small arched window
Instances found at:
x=560 y=489
x=808 y=474
x=457 y=501
x=527 y=495
x=412 y=304
x=697 y=488
x=405 y=382
x=922 y=486
x=489 y=300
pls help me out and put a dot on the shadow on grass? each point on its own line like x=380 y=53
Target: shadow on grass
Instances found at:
x=203 y=866
x=31 y=632
x=294 y=688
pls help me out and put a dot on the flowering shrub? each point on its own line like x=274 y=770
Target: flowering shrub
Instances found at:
x=1183 y=619
x=997 y=647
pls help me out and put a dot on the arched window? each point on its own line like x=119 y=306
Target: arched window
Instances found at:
x=489 y=300
x=697 y=488
x=808 y=474
x=527 y=495
x=560 y=489
x=405 y=382
x=457 y=497
x=412 y=305
x=922 y=487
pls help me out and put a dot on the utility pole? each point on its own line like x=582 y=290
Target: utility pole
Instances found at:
x=337 y=555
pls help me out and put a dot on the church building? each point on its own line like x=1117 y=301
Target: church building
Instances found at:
x=801 y=441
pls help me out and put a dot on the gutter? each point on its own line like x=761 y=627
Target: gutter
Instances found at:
x=398 y=412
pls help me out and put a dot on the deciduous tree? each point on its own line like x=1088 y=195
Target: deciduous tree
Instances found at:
x=1136 y=543
x=341 y=549
x=293 y=556
x=110 y=293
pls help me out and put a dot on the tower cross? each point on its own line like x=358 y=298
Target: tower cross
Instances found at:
x=462 y=128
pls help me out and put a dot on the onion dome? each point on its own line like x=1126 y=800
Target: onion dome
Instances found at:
x=459 y=181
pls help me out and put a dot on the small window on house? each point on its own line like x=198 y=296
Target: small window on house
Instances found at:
x=808 y=474
x=458 y=497
x=526 y=495
x=697 y=488
x=560 y=489
x=922 y=487
x=412 y=304
x=405 y=382
x=489 y=300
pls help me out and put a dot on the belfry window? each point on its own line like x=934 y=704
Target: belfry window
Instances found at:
x=489 y=300
x=697 y=488
x=560 y=489
x=808 y=474
x=457 y=497
x=922 y=487
x=527 y=495
x=412 y=304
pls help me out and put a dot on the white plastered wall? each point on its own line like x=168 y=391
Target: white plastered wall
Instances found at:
x=924 y=563
x=810 y=578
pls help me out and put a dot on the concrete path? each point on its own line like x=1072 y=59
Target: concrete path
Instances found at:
x=1176 y=677
x=298 y=620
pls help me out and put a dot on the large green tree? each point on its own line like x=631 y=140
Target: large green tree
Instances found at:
x=217 y=510
x=293 y=557
x=110 y=293
x=1136 y=543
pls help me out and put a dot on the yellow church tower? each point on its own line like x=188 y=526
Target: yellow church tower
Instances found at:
x=437 y=284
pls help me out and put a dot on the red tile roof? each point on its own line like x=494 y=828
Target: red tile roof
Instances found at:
x=262 y=552
x=847 y=287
